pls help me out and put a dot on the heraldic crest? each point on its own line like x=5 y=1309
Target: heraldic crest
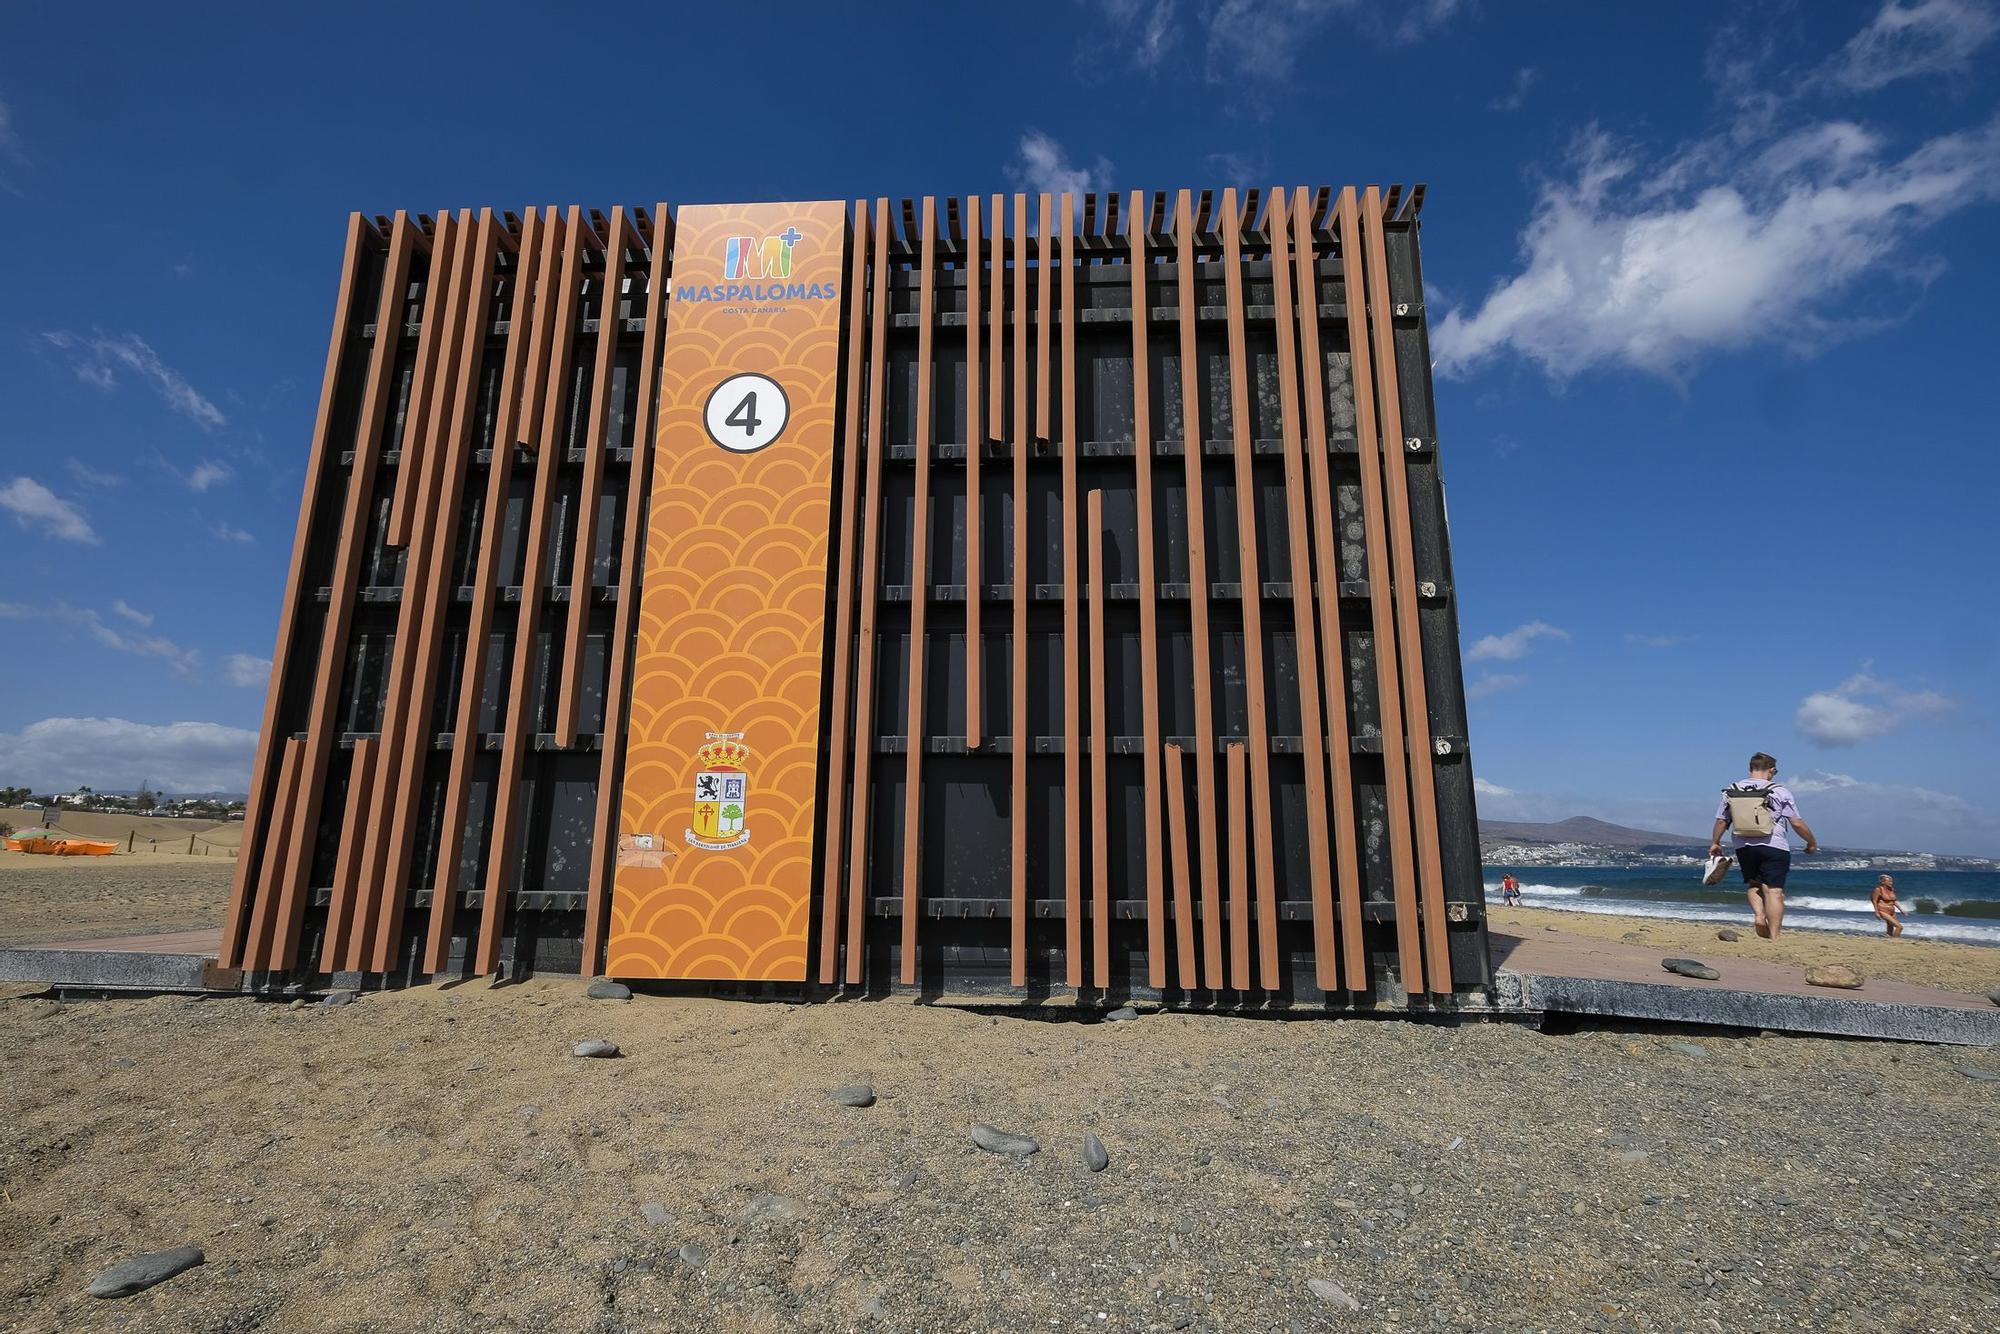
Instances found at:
x=721 y=787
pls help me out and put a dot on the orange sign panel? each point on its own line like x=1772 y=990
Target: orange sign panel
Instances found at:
x=714 y=864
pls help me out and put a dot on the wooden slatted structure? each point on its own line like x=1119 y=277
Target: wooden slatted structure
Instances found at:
x=1225 y=758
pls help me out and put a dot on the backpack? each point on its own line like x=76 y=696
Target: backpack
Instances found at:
x=1751 y=813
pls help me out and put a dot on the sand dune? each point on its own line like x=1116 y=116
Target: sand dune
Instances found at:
x=148 y=833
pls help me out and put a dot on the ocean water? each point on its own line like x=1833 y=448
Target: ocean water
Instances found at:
x=1815 y=900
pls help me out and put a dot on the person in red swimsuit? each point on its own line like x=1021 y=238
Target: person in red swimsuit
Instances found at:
x=1883 y=901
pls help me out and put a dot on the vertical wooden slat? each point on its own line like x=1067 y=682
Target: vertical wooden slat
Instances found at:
x=414 y=454
x=920 y=590
x=1239 y=869
x=1177 y=844
x=1100 y=744
x=975 y=445
x=1333 y=655
x=1044 y=277
x=423 y=421
x=844 y=577
x=519 y=723
x=1072 y=629
x=347 y=867
x=257 y=811
x=320 y=736
x=1197 y=540
x=1022 y=590
x=1305 y=630
x=532 y=293
x=1416 y=705
x=871 y=577
x=450 y=446
x=1389 y=691
x=291 y=758
x=1149 y=650
x=1240 y=374
x=584 y=550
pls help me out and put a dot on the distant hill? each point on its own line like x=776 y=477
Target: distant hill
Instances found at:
x=1582 y=829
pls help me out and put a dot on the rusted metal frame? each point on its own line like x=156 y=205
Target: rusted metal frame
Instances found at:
x=1253 y=619
x=1100 y=745
x=631 y=569
x=281 y=942
x=1239 y=871
x=871 y=577
x=1305 y=631
x=531 y=294
x=450 y=434
x=569 y=700
x=1149 y=651
x=517 y=725
x=270 y=749
x=1177 y=846
x=843 y=579
x=422 y=418
x=290 y=764
x=920 y=589
x=975 y=444
x=1388 y=688
x=1333 y=655
x=347 y=867
x=1197 y=548
x=414 y=460
x=1403 y=560
x=1020 y=591
x=1072 y=641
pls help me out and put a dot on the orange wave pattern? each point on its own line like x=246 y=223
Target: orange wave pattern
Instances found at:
x=731 y=617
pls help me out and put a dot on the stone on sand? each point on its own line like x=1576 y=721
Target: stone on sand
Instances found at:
x=605 y=989
x=1327 y=1290
x=1727 y=934
x=656 y=1214
x=335 y=999
x=1124 y=1014
x=995 y=1140
x=1690 y=968
x=853 y=1095
x=143 y=1271
x=1094 y=1156
x=596 y=1047
x=1833 y=975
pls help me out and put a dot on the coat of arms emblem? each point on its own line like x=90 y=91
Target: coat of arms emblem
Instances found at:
x=721 y=789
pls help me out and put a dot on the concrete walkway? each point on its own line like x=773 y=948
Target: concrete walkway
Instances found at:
x=1555 y=972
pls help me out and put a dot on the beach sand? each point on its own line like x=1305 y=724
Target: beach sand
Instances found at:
x=77 y=898
x=434 y=1159
x=1933 y=963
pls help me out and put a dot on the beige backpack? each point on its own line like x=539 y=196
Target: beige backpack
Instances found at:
x=1750 y=811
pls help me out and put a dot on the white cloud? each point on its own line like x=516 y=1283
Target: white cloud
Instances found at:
x=1524 y=79
x=244 y=669
x=1044 y=168
x=131 y=613
x=1657 y=641
x=1486 y=789
x=1146 y=29
x=1513 y=646
x=58 y=754
x=102 y=359
x=35 y=506
x=1652 y=265
x=90 y=476
x=1493 y=683
x=181 y=661
x=229 y=532
x=1913 y=40
x=1259 y=41
x=206 y=474
x=1864 y=707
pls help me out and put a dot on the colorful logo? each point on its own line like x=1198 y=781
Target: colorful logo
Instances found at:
x=721 y=789
x=748 y=257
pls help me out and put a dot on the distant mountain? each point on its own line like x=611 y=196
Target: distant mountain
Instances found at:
x=1582 y=829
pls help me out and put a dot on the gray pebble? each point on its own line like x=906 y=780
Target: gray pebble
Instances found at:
x=854 y=1095
x=1000 y=1141
x=595 y=1047
x=1635 y=1155
x=143 y=1271
x=335 y=999
x=1622 y=1139
x=1327 y=1290
x=1688 y=1048
x=1094 y=1156
x=1727 y=934
x=770 y=1209
x=1974 y=1072
x=1124 y=1014
x=1994 y=995
x=1690 y=968
x=693 y=1256
x=656 y=1214
x=604 y=989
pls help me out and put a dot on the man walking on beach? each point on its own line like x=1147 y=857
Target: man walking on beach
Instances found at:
x=1755 y=812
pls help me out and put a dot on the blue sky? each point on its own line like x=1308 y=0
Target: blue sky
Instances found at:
x=1713 y=297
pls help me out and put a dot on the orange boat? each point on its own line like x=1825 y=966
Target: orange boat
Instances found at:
x=60 y=845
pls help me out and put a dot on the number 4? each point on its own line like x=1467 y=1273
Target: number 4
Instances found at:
x=744 y=414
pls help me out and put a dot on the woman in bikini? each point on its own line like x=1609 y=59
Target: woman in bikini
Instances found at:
x=1883 y=900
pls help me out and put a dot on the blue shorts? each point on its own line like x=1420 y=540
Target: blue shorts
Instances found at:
x=1764 y=866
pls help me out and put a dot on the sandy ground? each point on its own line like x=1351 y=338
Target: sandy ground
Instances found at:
x=436 y=1160
x=150 y=833
x=1931 y=963
x=75 y=898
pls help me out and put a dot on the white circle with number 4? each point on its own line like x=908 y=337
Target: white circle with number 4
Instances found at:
x=746 y=412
